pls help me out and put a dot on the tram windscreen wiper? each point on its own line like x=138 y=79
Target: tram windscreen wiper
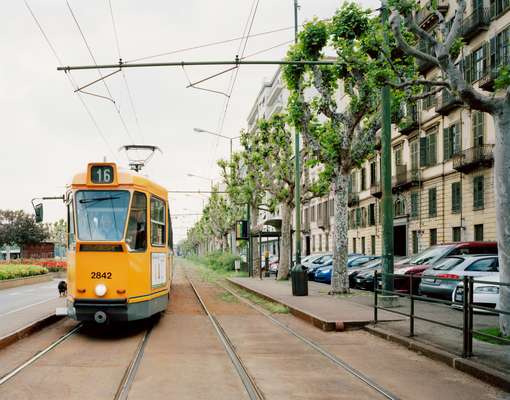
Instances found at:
x=86 y=201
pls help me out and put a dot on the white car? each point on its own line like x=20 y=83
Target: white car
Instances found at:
x=485 y=294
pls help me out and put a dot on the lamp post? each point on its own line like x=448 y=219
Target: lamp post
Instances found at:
x=231 y=139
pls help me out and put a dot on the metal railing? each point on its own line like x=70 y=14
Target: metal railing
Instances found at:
x=473 y=155
x=479 y=19
x=468 y=307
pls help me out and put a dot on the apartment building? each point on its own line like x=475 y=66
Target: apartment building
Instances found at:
x=442 y=151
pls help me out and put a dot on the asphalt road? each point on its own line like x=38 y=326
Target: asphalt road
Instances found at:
x=22 y=305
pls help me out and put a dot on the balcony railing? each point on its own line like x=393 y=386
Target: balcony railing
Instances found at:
x=447 y=102
x=404 y=178
x=376 y=190
x=489 y=77
x=352 y=199
x=476 y=22
x=473 y=158
x=426 y=16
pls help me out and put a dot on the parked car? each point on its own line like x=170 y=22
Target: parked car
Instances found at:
x=484 y=294
x=367 y=268
x=323 y=274
x=455 y=268
x=429 y=257
x=316 y=263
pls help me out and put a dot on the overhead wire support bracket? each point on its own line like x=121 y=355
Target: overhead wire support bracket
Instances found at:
x=98 y=80
x=237 y=61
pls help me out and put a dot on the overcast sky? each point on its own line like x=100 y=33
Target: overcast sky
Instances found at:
x=46 y=133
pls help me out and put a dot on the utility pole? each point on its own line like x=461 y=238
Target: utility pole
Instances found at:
x=298 y=275
x=387 y=197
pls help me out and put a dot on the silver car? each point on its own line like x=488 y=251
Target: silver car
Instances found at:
x=456 y=268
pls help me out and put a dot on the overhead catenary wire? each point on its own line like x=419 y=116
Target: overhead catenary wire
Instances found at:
x=89 y=49
x=70 y=79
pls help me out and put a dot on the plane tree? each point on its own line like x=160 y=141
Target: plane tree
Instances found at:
x=444 y=42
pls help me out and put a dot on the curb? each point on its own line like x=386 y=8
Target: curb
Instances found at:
x=472 y=368
x=30 y=280
x=27 y=330
x=327 y=326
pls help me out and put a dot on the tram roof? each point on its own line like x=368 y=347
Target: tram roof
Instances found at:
x=124 y=178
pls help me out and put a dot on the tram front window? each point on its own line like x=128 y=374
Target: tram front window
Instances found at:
x=101 y=214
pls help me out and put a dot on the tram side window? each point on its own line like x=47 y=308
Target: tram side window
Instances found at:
x=136 y=237
x=71 y=238
x=170 y=232
x=157 y=222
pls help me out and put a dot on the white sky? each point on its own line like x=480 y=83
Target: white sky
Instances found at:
x=46 y=135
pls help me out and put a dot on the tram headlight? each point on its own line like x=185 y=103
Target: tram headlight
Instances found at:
x=100 y=290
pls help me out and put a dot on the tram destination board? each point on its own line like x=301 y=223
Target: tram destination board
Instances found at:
x=101 y=174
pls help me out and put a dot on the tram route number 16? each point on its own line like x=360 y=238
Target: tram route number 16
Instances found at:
x=102 y=174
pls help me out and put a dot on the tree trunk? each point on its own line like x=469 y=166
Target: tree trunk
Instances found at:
x=502 y=188
x=339 y=275
x=254 y=228
x=284 y=264
x=225 y=242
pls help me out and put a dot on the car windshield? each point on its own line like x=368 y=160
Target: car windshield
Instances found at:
x=371 y=264
x=448 y=264
x=101 y=215
x=430 y=255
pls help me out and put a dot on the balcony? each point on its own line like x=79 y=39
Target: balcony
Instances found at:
x=410 y=121
x=405 y=179
x=353 y=199
x=475 y=23
x=323 y=222
x=473 y=158
x=489 y=78
x=447 y=102
x=376 y=190
x=426 y=16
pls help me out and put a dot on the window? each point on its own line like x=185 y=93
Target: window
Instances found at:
x=312 y=213
x=363 y=179
x=353 y=187
x=500 y=49
x=432 y=202
x=399 y=207
x=451 y=141
x=363 y=217
x=498 y=7
x=136 y=237
x=480 y=59
x=414 y=205
x=157 y=222
x=456 y=234
x=371 y=214
x=319 y=211
x=326 y=242
x=478 y=200
x=397 y=151
x=479 y=232
x=372 y=244
x=363 y=244
x=429 y=101
x=373 y=174
x=433 y=237
x=428 y=152
x=320 y=242
x=477 y=120
x=415 y=242
x=331 y=207
x=415 y=154
x=313 y=243
x=354 y=245
x=484 y=265
x=456 y=197
x=71 y=237
x=358 y=217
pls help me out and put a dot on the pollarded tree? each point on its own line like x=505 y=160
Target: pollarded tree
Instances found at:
x=444 y=43
x=218 y=215
x=340 y=132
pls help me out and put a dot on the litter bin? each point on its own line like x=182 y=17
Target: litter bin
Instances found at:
x=299 y=280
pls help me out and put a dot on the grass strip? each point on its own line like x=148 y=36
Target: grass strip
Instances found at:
x=493 y=340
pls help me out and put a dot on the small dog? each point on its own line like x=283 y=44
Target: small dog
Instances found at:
x=62 y=289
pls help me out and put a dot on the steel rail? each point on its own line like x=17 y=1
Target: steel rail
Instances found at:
x=38 y=355
x=127 y=380
x=337 y=361
x=251 y=387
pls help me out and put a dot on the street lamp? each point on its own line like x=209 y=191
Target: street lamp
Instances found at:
x=199 y=130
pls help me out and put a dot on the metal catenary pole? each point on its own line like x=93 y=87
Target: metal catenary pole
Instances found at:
x=387 y=197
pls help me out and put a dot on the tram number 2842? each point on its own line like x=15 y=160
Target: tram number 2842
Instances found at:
x=101 y=275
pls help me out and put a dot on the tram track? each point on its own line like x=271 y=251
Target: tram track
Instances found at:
x=252 y=390
x=310 y=343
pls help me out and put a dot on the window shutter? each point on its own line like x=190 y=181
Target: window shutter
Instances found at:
x=423 y=151
x=446 y=144
x=431 y=151
x=456 y=139
x=467 y=67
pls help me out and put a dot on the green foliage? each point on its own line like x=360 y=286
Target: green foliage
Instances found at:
x=503 y=79
x=220 y=260
x=13 y=271
x=349 y=23
x=20 y=228
x=404 y=7
x=457 y=47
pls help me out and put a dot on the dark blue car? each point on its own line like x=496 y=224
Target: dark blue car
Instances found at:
x=323 y=274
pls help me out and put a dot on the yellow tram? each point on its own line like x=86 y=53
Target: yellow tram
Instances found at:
x=120 y=246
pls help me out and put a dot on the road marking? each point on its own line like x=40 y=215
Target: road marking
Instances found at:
x=28 y=306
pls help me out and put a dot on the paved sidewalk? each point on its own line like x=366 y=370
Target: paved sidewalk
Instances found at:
x=24 y=305
x=326 y=312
